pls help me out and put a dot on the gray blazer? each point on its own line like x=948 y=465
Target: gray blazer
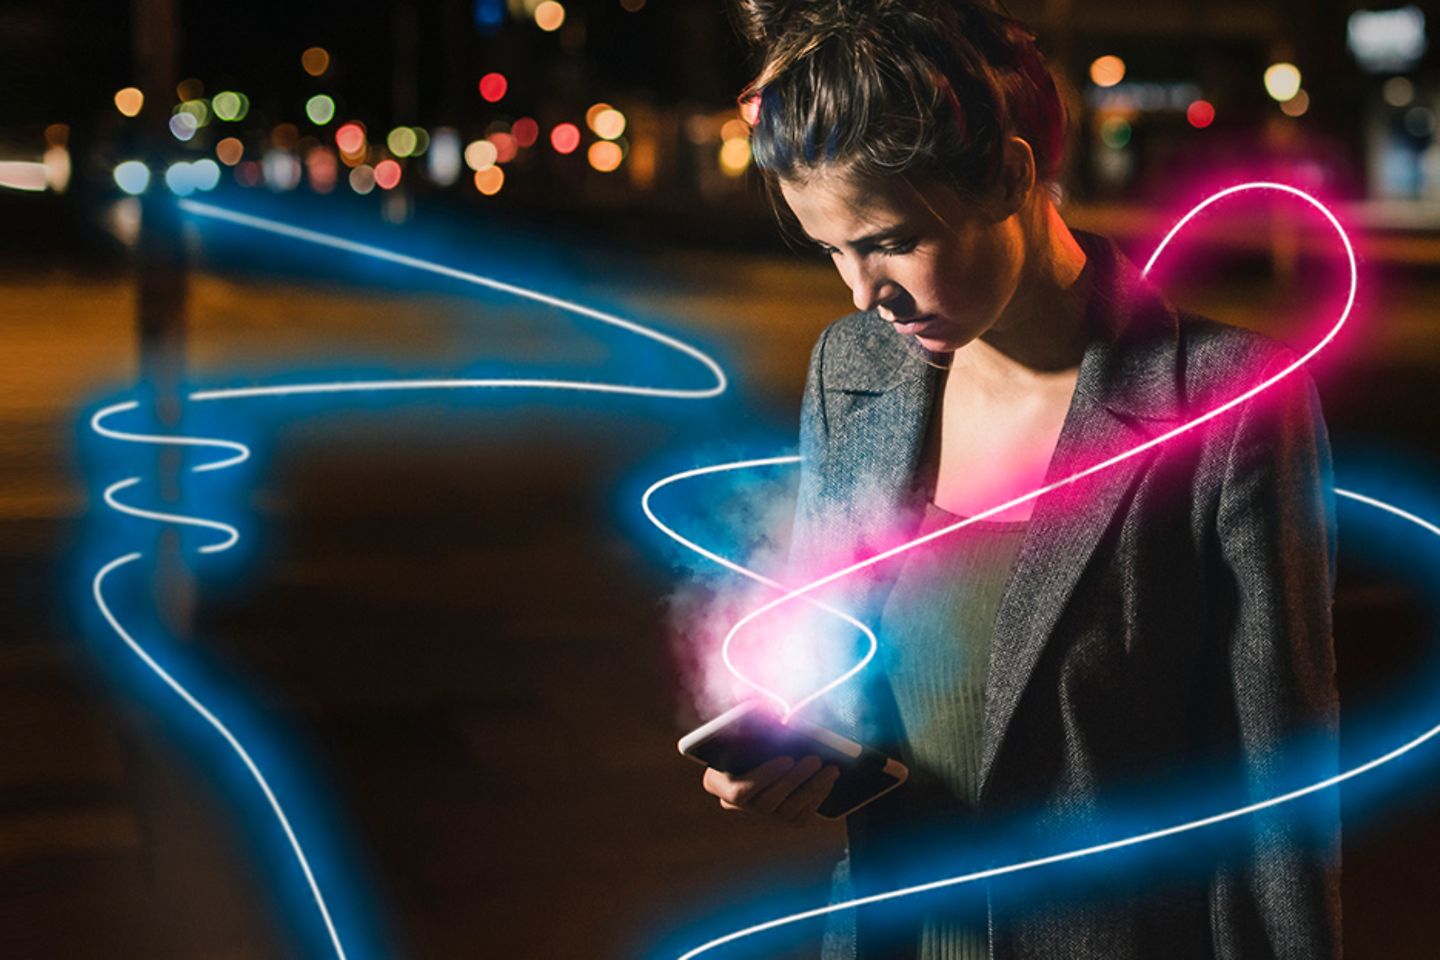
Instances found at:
x=1168 y=616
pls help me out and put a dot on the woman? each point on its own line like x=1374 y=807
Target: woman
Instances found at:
x=1167 y=615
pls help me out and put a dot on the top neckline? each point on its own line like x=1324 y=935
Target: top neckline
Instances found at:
x=1013 y=526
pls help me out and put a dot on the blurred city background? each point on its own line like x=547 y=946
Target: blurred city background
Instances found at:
x=449 y=613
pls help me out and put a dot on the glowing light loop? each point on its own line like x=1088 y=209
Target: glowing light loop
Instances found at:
x=1134 y=451
x=237 y=453
x=1110 y=846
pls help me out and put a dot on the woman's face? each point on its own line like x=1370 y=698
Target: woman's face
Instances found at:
x=935 y=270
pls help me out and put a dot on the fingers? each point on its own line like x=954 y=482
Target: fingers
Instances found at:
x=738 y=791
x=800 y=807
x=780 y=788
x=768 y=800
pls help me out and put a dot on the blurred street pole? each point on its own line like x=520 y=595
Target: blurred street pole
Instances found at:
x=161 y=279
x=161 y=283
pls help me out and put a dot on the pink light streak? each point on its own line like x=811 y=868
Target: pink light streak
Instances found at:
x=803 y=591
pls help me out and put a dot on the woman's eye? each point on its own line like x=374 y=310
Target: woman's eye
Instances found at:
x=897 y=249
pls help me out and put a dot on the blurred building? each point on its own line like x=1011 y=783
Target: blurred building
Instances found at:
x=605 y=105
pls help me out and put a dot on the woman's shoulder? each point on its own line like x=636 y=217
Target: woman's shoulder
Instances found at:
x=858 y=351
x=1218 y=358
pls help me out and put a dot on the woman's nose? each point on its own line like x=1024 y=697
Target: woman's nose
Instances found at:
x=869 y=289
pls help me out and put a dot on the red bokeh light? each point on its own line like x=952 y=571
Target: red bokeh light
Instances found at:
x=387 y=174
x=505 y=147
x=493 y=86
x=565 y=138
x=1201 y=114
x=525 y=131
x=350 y=138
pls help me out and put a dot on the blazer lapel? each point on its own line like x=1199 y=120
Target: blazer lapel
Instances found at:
x=878 y=416
x=1128 y=390
x=1064 y=529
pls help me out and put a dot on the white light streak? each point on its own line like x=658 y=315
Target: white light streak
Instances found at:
x=1112 y=845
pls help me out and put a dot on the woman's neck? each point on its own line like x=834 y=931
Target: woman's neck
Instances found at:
x=1041 y=334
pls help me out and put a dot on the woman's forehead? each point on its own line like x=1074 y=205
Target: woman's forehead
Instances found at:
x=849 y=207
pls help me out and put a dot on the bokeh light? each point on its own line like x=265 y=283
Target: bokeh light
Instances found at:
x=1420 y=122
x=480 y=154
x=315 y=61
x=605 y=155
x=230 y=105
x=56 y=164
x=129 y=101
x=249 y=173
x=402 y=143
x=1115 y=133
x=525 y=131
x=179 y=180
x=132 y=176
x=549 y=16
x=1398 y=92
x=183 y=126
x=362 y=179
x=493 y=87
x=320 y=109
x=230 y=151
x=189 y=89
x=422 y=141
x=387 y=174
x=594 y=111
x=205 y=174
x=350 y=138
x=734 y=156
x=505 y=147
x=734 y=129
x=609 y=124
x=1282 y=81
x=490 y=180
x=1201 y=114
x=196 y=109
x=443 y=162
x=1107 y=71
x=321 y=169
x=565 y=137
x=632 y=6
x=1296 y=105
x=281 y=169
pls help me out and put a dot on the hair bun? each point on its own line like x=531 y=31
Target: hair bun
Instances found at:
x=763 y=21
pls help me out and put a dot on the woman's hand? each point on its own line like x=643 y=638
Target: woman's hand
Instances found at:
x=781 y=789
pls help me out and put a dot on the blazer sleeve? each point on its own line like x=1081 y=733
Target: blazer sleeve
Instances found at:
x=1276 y=529
x=806 y=534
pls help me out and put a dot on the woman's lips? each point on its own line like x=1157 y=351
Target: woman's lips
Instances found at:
x=917 y=327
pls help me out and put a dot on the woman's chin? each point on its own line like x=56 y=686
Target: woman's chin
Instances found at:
x=933 y=345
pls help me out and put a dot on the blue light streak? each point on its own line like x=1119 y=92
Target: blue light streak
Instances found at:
x=1051 y=859
x=237 y=453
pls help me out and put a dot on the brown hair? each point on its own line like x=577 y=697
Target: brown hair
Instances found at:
x=884 y=87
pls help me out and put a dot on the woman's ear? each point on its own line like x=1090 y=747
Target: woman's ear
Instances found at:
x=1017 y=176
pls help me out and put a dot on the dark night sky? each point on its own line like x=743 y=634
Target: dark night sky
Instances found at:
x=65 y=59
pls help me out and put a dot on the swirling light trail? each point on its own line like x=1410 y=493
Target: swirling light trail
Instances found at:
x=1051 y=859
x=239 y=452
x=1134 y=451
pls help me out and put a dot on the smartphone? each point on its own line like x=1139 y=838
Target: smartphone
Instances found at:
x=744 y=737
